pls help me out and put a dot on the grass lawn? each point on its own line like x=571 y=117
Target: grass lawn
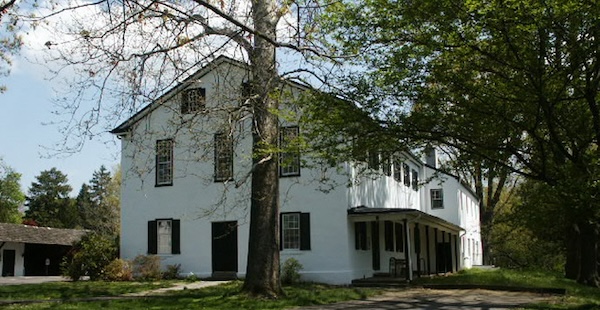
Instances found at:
x=225 y=296
x=228 y=296
x=577 y=297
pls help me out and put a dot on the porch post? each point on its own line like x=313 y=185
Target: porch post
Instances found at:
x=437 y=257
x=407 y=251
x=428 y=269
x=444 y=262
x=456 y=253
x=418 y=248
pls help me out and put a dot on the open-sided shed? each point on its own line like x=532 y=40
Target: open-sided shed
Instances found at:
x=34 y=251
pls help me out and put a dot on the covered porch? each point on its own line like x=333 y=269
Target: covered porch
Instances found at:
x=404 y=243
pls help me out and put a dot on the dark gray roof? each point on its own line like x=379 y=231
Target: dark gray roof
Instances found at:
x=40 y=235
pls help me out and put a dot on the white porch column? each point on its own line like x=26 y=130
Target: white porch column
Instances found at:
x=408 y=251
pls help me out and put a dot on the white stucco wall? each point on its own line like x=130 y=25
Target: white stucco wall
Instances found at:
x=197 y=200
x=19 y=249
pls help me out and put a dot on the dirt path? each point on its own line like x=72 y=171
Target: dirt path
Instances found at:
x=441 y=299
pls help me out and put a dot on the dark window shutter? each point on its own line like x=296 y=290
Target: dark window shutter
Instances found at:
x=417 y=236
x=399 y=236
x=176 y=237
x=304 y=231
x=357 y=235
x=152 y=238
x=388 y=229
x=280 y=231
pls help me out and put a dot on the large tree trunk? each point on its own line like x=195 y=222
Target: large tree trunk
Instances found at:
x=262 y=272
x=588 y=272
x=573 y=253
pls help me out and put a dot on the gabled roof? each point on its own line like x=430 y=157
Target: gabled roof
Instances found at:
x=126 y=125
x=39 y=235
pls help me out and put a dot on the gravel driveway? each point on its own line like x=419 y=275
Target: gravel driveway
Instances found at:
x=475 y=299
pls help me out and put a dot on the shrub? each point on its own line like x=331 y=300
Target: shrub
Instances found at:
x=118 y=270
x=172 y=272
x=89 y=257
x=290 y=272
x=146 y=267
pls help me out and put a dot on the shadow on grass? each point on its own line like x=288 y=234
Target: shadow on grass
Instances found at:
x=226 y=296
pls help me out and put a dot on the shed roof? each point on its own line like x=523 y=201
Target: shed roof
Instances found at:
x=39 y=235
x=415 y=214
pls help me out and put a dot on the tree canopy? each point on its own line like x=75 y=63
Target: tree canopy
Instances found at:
x=49 y=203
x=512 y=83
x=98 y=203
x=10 y=41
x=11 y=196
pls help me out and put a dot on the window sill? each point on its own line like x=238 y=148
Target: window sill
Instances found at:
x=289 y=175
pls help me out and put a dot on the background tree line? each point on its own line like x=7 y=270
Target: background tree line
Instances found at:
x=48 y=201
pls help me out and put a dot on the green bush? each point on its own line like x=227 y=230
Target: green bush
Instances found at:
x=146 y=267
x=89 y=257
x=290 y=272
x=118 y=270
x=172 y=272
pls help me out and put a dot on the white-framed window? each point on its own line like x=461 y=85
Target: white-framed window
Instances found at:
x=415 y=180
x=164 y=162
x=393 y=236
x=295 y=231
x=223 y=157
x=406 y=171
x=164 y=236
x=164 y=231
x=361 y=236
x=386 y=163
x=289 y=159
x=437 y=198
x=193 y=100
x=291 y=230
x=397 y=169
x=373 y=160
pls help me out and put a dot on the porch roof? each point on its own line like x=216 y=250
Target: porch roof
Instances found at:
x=410 y=214
x=40 y=235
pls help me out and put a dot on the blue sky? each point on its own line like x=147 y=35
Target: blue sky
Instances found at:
x=24 y=139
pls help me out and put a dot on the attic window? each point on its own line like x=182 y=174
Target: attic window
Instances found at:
x=193 y=100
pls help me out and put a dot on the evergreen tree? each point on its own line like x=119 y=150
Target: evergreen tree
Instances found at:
x=49 y=203
x=98 y=203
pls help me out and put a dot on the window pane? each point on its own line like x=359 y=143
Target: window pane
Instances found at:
x=437 y=200
x=164 y=231
x=164 y=162
x=193 y=100
x=289 y=159
x=291 y=230
x=415 y=180
x=223 y=157
x=406 y=174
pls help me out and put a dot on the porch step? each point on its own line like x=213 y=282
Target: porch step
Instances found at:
x=223 y=276
x=380 y=280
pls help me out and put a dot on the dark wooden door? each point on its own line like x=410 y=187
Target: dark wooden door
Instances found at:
x=224 y=247
x=8 y=263
x=443 y=257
